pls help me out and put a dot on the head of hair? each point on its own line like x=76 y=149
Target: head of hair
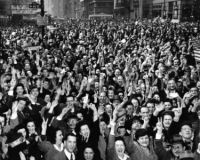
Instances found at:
x=51 y=134
x=140 y=133
x=68 y=135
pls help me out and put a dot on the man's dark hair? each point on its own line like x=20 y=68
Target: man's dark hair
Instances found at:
x=68 y=135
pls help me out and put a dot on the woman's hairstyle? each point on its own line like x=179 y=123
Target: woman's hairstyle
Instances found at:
x=51 y=134
x=18 y=85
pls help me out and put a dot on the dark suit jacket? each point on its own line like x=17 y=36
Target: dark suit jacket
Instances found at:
x=60 y=156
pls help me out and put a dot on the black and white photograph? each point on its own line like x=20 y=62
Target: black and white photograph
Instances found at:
x=99 y=79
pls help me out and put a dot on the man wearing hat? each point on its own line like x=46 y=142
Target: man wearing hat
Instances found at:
x=15 y=146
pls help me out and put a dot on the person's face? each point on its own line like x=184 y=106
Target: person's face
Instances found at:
x=110 y=94
x=144 y=112
x=108 y=109
x=135 y=103
x=194 y=91
x=59 y=137
x=105 y=89
x=151 y=107
x=38 y=83
x=176 y=63
x=171 y=85
x=156 y=97
x=129 y=109
x=45 y=73
x=20 y=90
x=85 y=131
x=47 y=98
x=177 y=149
x=167 y=121
x=27 y=66
x=70 y=101
x=35 y=92
x=2 y=121
x=121 y=131
x=31 y=127
x=88 y=154
x=142 y=87
x=167 y=105
x=70 y=143
x=119 y=147
x=97 y=71
x=46 y=85
x=102 y=126
x=120 y=80
x=121 y=95
x=186 y=132
x=143 y=141
x=102 y=96
x=117 y=72
x=72 y=123
x=21 y=105
x=136 y=125
x=198 y=85
x=96 y=85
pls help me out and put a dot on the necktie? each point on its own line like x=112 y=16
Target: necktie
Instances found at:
x=71 y=158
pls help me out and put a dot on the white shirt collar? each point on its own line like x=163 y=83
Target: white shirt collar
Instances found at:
x=124 y=158
x=68 y=154
x=59 y=149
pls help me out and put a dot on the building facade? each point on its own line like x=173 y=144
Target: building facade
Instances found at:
x=97 y=7
x=5 y=11
x=20 y=10
x=181 y=10
x=133 y=9
x=62 y=9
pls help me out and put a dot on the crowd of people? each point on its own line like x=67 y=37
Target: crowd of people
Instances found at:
x=100 y=90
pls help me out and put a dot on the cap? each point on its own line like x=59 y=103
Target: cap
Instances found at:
x=140 y=133
x=13 y=136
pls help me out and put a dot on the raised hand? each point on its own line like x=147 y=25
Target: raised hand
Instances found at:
x=44 y=125
x=159 y=125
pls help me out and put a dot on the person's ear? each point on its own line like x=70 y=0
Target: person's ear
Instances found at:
x=180 y=134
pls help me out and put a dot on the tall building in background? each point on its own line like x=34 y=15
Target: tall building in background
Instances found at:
x=5 y=11
x=55 y=8
x=5 y=7
x=20 y=10
x=146 y=8
x=180 y=10
x=62 y=8
x=134 y=9
x=122 y=8
x=84 y=9
x=100 y=7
